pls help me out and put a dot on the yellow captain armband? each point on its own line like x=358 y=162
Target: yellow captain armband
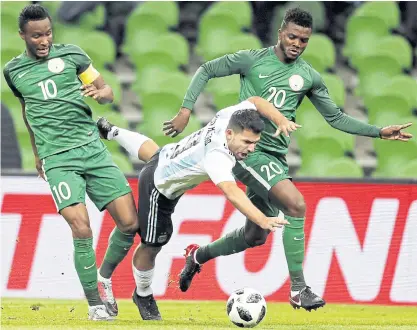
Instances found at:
x=89 y=75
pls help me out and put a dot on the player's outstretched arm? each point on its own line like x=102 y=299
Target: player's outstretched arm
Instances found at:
x=339 y=120
x=267 y=110
x=239 y=200
x=237 y=63
x=219 y=165
x=38 y=162
x=320 y=98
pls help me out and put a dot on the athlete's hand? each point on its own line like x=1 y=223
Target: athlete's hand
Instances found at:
x=177 y=124
x=38 y=164
x=285 y=127
x=90 y=90
x=394 y=132
x=273 y=223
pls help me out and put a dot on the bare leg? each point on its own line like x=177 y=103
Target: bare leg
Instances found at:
x=147 y=150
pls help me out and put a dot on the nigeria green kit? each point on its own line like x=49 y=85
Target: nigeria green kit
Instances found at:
x=284 y=85
x=75 y=160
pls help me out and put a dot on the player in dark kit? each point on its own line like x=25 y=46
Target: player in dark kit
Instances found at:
x=51 y=81
x=278 y=74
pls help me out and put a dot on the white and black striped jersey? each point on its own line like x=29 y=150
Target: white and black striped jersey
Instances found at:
x=198 y=157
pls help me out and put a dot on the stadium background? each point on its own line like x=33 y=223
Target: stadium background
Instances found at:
x=361 y=193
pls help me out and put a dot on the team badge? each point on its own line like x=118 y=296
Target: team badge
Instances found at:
x=56 y=65
x=162 y=238
x=296 y=82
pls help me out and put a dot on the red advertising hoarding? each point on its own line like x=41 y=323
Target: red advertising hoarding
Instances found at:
x=361 y=245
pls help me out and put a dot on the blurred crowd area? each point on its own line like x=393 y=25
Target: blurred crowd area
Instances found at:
x=149 y=51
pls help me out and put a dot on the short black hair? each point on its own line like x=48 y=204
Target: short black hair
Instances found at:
x=32 y=13
x=246 y=119
x=297 y=16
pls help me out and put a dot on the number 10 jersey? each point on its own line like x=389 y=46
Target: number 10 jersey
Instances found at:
x=283 y=84
x=54 y=106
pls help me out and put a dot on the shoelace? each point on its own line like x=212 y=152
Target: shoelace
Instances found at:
x=149 y=303
x=309 y=293
x=152 y=305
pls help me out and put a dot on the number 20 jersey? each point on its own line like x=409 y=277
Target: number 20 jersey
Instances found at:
x=198 y=157
x=54 y=106
x=283 y=84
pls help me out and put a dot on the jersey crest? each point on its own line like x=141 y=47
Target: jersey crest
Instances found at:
x=56 y=65
x=296 y=82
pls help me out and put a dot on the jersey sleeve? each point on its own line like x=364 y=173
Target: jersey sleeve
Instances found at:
x=229 y=111
x=219 y=165
x=320 y=98
x=236 y=63
x=10 y=83
x=85 y=69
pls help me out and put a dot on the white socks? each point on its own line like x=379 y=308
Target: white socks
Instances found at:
x=101 y=278
x=129 y=140
x=195 y=257
x=143 y=280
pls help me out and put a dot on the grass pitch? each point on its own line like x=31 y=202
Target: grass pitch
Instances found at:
x=72 y=314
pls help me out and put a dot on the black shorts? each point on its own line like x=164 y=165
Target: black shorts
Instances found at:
x=155 y=210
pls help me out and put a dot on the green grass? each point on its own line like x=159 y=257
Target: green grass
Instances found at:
x=67 y=314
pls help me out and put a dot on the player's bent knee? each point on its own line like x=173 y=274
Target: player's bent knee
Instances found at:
x=259 y=241
x=77 y=218
x=296 y=208
x=129 y=228
x=80 y=229
x=256 y=240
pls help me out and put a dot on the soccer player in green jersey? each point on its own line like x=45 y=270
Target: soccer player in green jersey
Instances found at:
x=51 y=81
x=278 y=74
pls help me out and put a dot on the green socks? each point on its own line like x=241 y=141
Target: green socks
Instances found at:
x=85 y=265
x=119 y=246
x=233 y=242
x=293 y=239
x=85 y=261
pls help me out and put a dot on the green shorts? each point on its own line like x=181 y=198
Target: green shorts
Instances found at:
x=260 y=171
x=86 y=169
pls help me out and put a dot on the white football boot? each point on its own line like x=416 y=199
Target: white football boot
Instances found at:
x=98 y=313
x=106 y=294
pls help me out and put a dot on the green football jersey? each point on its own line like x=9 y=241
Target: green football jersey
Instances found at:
x=284 y=85
x=55 y=108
